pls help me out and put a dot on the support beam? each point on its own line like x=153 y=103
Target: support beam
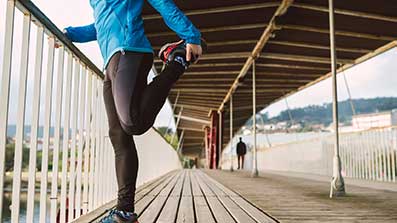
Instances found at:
x=338 y=32
x=282 y=8
x=187 y=118
x=255 y=158
x=214 y=29
x=224 y=9
x=337 y=183
x=317 y=46
x=303 y=58
x=231 y=133
x=173 y=111
x=176 y=125
x=358 y=14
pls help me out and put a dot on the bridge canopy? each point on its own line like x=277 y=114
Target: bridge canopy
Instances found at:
x=289 y=41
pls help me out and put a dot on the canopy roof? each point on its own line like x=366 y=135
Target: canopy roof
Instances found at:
x=289 y=40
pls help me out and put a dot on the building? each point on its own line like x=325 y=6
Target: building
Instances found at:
x=375 y=120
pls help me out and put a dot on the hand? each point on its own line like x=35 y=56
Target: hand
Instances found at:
x=193 y=49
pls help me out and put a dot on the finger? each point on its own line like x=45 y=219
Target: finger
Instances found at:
x=188 y=52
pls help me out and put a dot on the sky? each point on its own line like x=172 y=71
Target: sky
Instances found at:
x=373 y=78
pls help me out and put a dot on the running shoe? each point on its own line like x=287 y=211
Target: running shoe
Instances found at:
x=116 y=216
x=177 y=52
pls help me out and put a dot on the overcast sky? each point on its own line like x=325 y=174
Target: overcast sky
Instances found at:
x=373 y=78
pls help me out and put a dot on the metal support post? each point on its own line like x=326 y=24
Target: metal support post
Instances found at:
x=220 y=140
x=231 y=133
x=172 y=116
x=176 y=125
x=337 y=183
x=254 y=153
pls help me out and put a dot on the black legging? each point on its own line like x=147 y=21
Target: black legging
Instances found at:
x=132 y=106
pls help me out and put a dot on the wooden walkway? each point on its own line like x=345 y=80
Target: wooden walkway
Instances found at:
x=292 y=198
x=188 y=196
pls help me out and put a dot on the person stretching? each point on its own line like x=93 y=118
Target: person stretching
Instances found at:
x=131 y=103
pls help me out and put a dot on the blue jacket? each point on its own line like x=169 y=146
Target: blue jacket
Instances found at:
x=119 y=26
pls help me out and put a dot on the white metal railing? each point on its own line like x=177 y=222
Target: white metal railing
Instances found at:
x=71 y=116
x=369 y=155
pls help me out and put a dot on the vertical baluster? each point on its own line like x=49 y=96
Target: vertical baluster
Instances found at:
x=393 y=157
x=362 y=158
x=383 y=144
x=366 y=152
x=376 y=152
x=34 y=124
x=98 y=147
x=72 y=176
x=47 y=125
x=5 y=91
x=93 y=146
x=16 y=182
x=388 y=137
x=65 y=146
x=57 y=136
x=371 y=152
x=81 y=140
x=88 y=142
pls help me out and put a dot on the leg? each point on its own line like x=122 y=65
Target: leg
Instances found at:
x=238 y=161
x=126 y=158
x=137 y=103
x=242 y=161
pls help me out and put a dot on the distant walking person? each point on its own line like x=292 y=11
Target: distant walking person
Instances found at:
x=241 y=151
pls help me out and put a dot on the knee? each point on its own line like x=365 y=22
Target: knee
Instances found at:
x=136 y=129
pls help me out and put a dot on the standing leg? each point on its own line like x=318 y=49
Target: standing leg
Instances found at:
x=242 y=161
x=126 y=158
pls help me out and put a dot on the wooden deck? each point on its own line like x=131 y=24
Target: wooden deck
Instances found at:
x=297 y=198
x=188 y=196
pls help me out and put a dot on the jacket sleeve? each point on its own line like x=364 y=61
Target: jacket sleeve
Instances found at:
x=177 y=21
x=81 y=34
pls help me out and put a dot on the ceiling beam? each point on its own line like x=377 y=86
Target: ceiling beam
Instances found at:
x=364 y=15
x=220 y=9
x=187 y=118
x=282 y=9
x=303 y=58
x=213 y=29
x=317 y=46
x=337 y=32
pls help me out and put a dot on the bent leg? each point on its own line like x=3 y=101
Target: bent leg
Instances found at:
x=156 y=93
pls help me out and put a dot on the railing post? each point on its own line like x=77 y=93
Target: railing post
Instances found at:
x=57 y=136
x=220 y=140
x=34 y=124
x=65 y=146
x=254 y=158
x=337 y=184
x=5 y=91
x=47 y=125
x=231 y=133
x=16 y=183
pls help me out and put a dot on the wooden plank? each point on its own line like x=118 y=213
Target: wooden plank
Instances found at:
x=169 y=212
x=219 y=211
x=254 y=212
x=186 y=209
x=239 y=214
x=203 y=212
x=143 y=190
x=148 y=198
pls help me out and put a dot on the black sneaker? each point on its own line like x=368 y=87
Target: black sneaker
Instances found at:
x=177 y=52
x=116 y=216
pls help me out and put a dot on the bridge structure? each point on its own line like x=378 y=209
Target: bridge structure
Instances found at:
x=259 y=52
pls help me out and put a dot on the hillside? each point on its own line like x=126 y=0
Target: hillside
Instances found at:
x=322 y=114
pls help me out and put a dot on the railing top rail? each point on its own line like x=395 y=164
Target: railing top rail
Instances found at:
x=30 y=7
